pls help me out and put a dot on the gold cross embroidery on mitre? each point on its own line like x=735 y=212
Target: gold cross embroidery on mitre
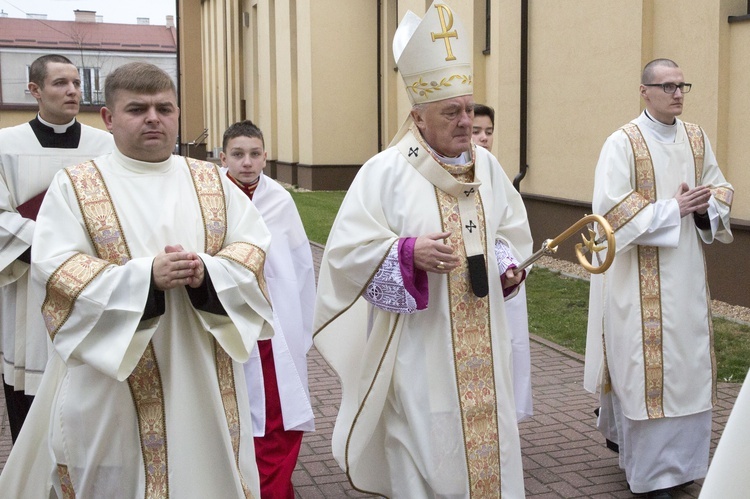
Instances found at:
x=446 y=34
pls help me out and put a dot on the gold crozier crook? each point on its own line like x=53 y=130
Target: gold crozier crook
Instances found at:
x=591 y=245
x=446 y=34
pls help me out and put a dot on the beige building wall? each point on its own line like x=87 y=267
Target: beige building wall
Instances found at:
x=190 y=85
x=319 y=78
x=304 y=71
x=222 y=57
x=584 y=64
x=576 y=98
x=262 y=42
x=340 y=83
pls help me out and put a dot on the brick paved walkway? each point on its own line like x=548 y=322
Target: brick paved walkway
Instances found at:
x=563 y=454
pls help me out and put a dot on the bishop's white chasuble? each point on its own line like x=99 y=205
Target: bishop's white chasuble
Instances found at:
x=427 y=403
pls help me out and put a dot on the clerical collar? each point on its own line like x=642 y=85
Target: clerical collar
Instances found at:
x=660 y=131
x=464 y=158
x=57 y=128
x=66 y=136
x=461 y=159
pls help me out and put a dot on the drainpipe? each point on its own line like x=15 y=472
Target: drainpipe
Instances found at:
x=379 y=61
x=183 y=147
x=523 y=125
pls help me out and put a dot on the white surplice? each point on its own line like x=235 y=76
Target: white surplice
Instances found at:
x=291 y=283
x=685 y=358
x=85 y=417
x=26 y=169
x=399 y=430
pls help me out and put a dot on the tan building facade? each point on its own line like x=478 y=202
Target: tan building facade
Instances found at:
x=318 y=77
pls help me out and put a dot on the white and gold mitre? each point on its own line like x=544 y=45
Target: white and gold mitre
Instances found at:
x=433 y=55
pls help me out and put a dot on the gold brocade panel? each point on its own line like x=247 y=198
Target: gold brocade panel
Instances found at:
x=207 y=183
x=251 y=257
x=64 y=286
x=472 y=350
x=625 y=210
x=65 y=483
x=650 y=283
x=99 y=213
x=695 y=137
x=227 y=388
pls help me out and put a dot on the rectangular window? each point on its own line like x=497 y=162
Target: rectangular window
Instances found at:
x=90 y=90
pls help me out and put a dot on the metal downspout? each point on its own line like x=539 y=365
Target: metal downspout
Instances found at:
x=523 y=125
x=380 y=73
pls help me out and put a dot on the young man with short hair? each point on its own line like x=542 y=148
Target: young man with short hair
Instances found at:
x=277 y=370
x=484 y=126
x=153 y=270
x=650 y=345
x=30 y=155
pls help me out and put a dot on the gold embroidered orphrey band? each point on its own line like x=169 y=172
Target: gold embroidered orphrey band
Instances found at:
x=648 y=262
x=111 y=246
x=473 y=361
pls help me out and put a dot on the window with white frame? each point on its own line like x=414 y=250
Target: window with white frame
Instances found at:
x=91 y=92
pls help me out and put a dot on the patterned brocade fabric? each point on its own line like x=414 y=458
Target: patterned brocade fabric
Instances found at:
x=698 y=146
x=99 y=213
x=206 y=179
x=386 y=290
x=649 y=278
x=249 y=256
x=625 y=210
x=225 y=375
x=64 y=286
x=473 y=356
x=723 y=195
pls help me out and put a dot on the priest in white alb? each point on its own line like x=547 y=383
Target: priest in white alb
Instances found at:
x=30 y=155
x=650 y=338
x=410 y=310
x=155 y=296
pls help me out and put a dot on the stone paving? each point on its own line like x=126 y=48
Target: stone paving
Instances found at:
x=563 y=454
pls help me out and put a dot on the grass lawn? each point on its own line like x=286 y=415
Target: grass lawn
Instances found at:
x=558 y=308
x=558 y=305
x=318 y=210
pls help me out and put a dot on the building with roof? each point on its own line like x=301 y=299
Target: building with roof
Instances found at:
x=94 y=46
